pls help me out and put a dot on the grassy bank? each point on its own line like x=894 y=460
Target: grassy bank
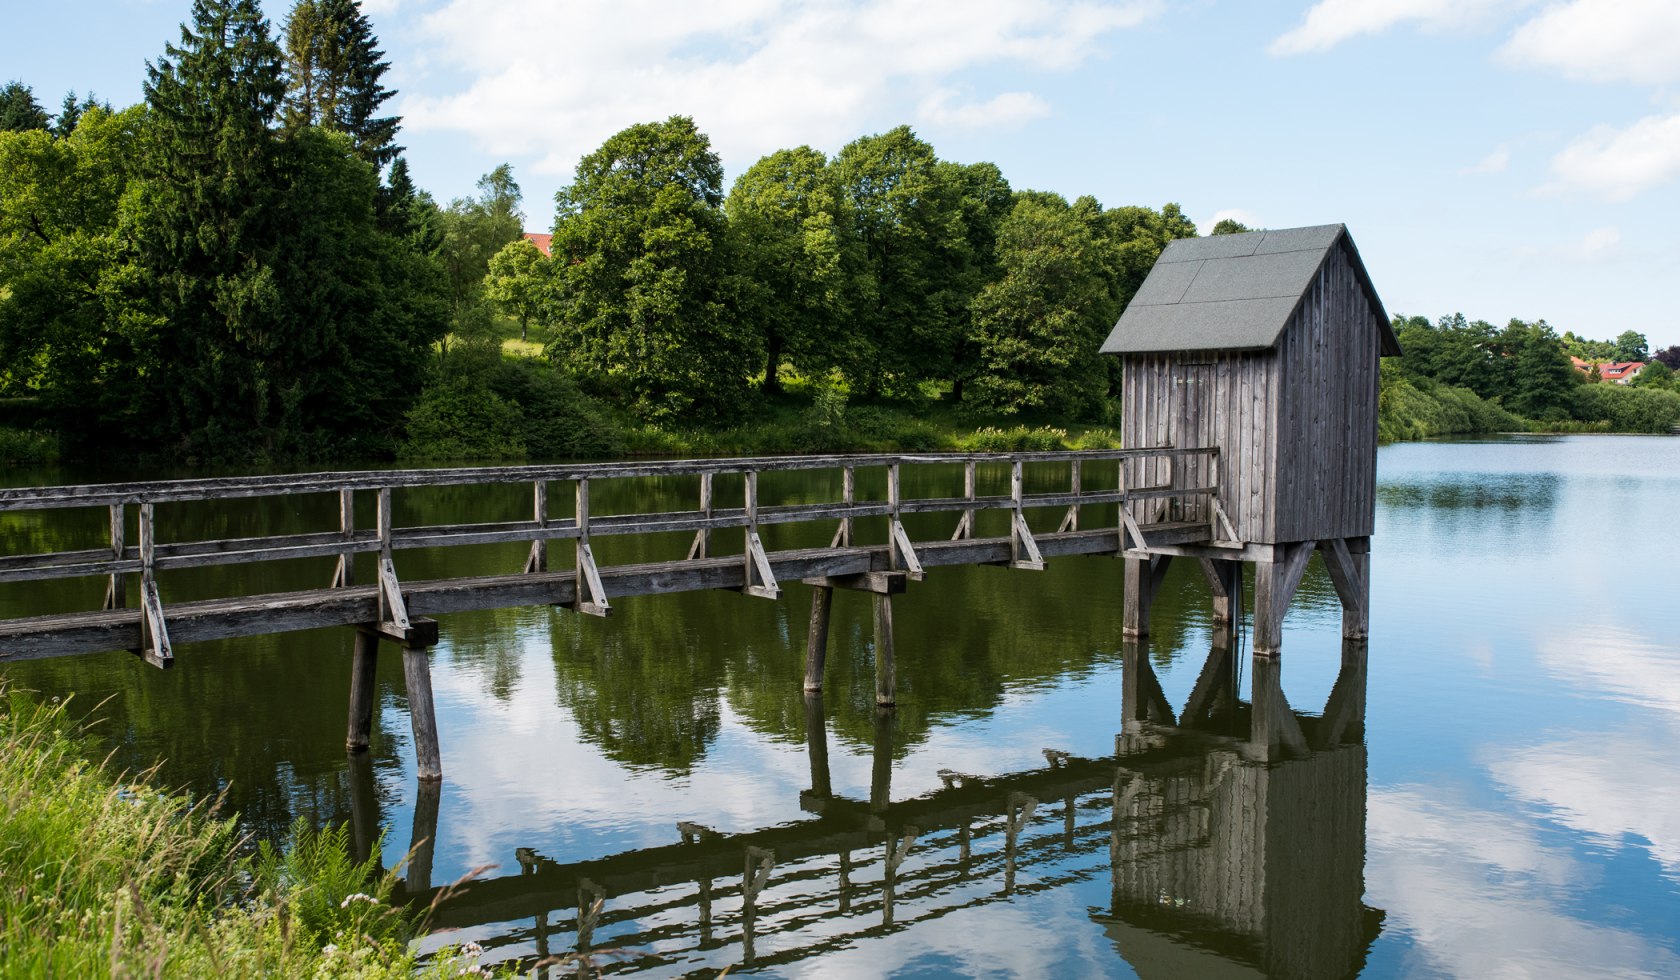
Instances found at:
x=103 y=874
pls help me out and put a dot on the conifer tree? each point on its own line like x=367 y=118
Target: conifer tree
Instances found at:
x=333 y=72
x=19 y=111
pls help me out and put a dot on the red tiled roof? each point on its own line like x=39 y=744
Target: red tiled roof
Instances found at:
x=541 y=241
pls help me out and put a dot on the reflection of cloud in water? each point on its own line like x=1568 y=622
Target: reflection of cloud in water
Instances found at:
x=1481 y=897
x=1620 y=663
x=1606 y=786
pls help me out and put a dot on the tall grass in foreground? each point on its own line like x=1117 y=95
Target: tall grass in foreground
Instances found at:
x=103 y=874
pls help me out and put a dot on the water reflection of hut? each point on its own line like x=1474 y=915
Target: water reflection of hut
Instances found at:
x=1244 y=856
x=1266 y=346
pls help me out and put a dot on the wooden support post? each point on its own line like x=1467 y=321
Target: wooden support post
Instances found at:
x=901 y=554
x=1275 y=583
x=345 y=573
x=1350 y=573
x=756 y=577
x=1023 y=549
x=702 y=546
x=1070 y=521
x=848 y=495
x=816 y=642
x=1144 y=575
x=116 y=588
x=423 y=837
x=538 y=560
x=886 y=673
x=417 y=673
x=363 y=689
x=965 y=526
x=590 y=595
x=1224 y=579
x=154 y=632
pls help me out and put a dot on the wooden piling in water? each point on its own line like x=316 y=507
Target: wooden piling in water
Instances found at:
x=886 y=672
x=417 y=673
x=816 y=642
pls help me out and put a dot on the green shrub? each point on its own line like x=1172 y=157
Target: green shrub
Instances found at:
x=557 y=421
x=462 y=419
x=27 y=447
x=1020 y=439
x=1627 y=409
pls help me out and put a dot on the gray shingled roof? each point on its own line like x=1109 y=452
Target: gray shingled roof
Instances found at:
x=1232 y=292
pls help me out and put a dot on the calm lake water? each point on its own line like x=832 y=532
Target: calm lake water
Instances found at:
x=1506 y=802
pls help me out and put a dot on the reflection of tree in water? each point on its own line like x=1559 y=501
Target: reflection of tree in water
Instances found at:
x=260 y=718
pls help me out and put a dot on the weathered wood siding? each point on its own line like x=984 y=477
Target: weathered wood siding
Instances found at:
x=1223 y=399
x=1296 y=426
x=1325 y=477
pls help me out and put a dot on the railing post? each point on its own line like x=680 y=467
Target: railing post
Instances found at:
x=538 y=561
x=965 y=526
x=116 y=590
x=895 y=558
x=1071 y=521
x=345 y=574
x=382 y=521
x=756 y=576
x=702 y=546
x=154 y=634
x=588 y=595
x=848 y=495
x=1023 y=550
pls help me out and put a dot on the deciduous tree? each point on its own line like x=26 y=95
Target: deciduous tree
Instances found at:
x=639 y=238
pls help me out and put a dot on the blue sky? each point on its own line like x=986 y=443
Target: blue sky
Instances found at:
x=1496 y=157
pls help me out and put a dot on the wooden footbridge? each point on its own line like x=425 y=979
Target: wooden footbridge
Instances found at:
x=724 y=550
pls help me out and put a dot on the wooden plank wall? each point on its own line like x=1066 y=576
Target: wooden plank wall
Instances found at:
x=1325 y=478
x=1213 y=398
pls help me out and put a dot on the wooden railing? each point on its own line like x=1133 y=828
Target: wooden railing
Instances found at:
x=583 y=586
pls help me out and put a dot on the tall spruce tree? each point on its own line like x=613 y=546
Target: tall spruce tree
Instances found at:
x=333 y=72
x=19 y=111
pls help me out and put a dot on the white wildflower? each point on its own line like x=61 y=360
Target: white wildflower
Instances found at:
x=358 y=897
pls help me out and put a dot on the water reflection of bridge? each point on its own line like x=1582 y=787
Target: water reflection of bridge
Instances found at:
x=1232 y=834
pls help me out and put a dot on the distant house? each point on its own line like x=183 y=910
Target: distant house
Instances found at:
x=1618 y=372
x=543 y=242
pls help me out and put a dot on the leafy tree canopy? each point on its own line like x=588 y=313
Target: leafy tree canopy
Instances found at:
x=18 y=109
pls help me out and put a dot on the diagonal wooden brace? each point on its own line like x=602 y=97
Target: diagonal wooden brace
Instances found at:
x=154 y=633
x=760 y=580
x=1022 y=547
x=591 y=596
x=905 y=551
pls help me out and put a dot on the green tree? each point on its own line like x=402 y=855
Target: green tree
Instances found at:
x=1631 y=345
x=1540 y=379
x=473 y=229
x=980 y=200
x=333 y=72
x=18 y=109
x=59 y=263
x=518 y=282
x=1131 y=238
x=787 y=233
x=1040 y=325
x=901 y=211
x=1654 y=375
x=1229 y=226
x=278 y=319
x=640 y=241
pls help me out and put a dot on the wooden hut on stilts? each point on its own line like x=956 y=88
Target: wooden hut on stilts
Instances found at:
x=1265 y=345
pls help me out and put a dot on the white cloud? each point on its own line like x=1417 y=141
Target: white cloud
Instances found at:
x=1248 y=218
x=1493 y=163
x=1619 y=164
x=1330 y=22
x=555 y=80
x=1602 y=40
x=1008 y=109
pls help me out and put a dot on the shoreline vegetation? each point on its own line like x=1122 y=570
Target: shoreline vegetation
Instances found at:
x=106 y=874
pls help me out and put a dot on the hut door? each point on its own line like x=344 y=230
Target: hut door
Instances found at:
x=1189 y=426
